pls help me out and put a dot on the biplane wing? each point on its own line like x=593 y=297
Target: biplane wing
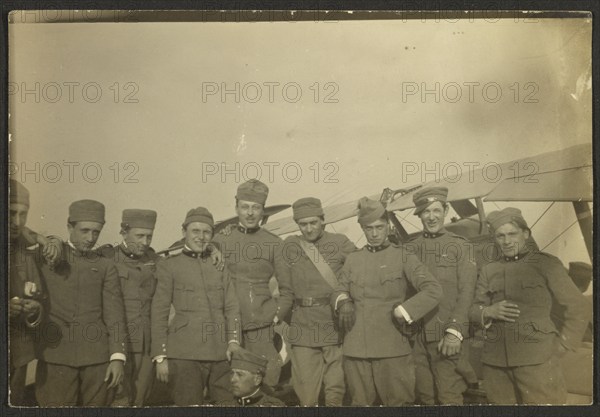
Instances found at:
x=563 y=175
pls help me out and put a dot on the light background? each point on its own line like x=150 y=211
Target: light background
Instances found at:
x=368 y=134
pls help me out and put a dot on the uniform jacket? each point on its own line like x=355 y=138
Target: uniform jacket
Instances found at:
x=532 y=282
x=377 y=281
x=85 y=313
x=207 y=313
x=23 y=273
x=315 y=324
x=258 y=399
x=251 y=260
x=138 y=283
x=448 y=258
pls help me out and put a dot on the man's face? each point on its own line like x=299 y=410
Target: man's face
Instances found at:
x=311 y=227
x=511 y=239
x=249 y=213
x=197 y=235
x=376 y=232
x=84 y=235
x=138 y=240
x=18 y=219
x=244 y=383
x=433 y=217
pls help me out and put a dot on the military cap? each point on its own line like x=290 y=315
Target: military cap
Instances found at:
x=369 y=211
x=425 y=196
x=145 y=219
x=199 y=214
x=253 y=190
x=307 y=207
x=86 y=211
x=18 y=193
x=581 y=274
x=508 y=215
x=249 y=361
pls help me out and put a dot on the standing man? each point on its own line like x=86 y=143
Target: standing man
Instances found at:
x=83 y=350
x=313 y=259
x=252 y=256
x=24 y=308
x=513 y=300
x=136 y=264
x=373 y=307
x=247 y=372
x=191 y=353
x=437 y=348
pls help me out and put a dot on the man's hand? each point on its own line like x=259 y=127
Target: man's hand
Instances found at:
x=231 y=349
x=502 y=310
x=347 y=315
x=15 y=307
x=114 y=373
x=226 y=231
x=31 y=307
x=217 y=257
x=51 y=248
x=449 y=345
x=162 y=371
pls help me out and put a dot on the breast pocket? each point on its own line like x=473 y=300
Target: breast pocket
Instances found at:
x=216 y=295
x=183 y=297
x=534 y=291
x=392 y=283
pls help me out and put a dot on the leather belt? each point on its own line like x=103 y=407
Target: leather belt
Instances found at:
x=310 y=301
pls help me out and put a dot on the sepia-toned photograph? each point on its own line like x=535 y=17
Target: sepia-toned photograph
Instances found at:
x=310 y=208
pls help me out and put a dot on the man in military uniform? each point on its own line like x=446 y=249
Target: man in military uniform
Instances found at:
x=373 y=307
x=24 y=308
x=313 y=259
x=136 y=264
x=247 y=373
x=252 y=256
x=83 y=350
x=437 y=348
x=513 y=300
x=191 y=352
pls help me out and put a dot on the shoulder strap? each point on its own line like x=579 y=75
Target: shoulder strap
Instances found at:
x=319 y=262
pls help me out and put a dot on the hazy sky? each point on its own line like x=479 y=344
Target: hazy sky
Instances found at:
x=339 y=101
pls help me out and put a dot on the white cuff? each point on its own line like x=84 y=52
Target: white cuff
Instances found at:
x=404 y=314
x=231 y=341
x=455 y=333
x=118 y=357
x=154 y=359
x=342 y=296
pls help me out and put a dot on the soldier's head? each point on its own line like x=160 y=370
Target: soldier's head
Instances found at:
x=431 y=207
x=19 y=208
x=247 y=372
x=197 y=229
x=309 y=217
x=137 y=228
x=86 y=220
x=510 y=230
x=373 y=220
x=250 y=202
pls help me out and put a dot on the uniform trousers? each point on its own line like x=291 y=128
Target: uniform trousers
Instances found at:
x=530 y=384
x=260 y=341
x=139 y=377
x=62 y=385
x=313 y=367
x=188 y=378
x=438 y=380
x=392 y=379
x=17 y=385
